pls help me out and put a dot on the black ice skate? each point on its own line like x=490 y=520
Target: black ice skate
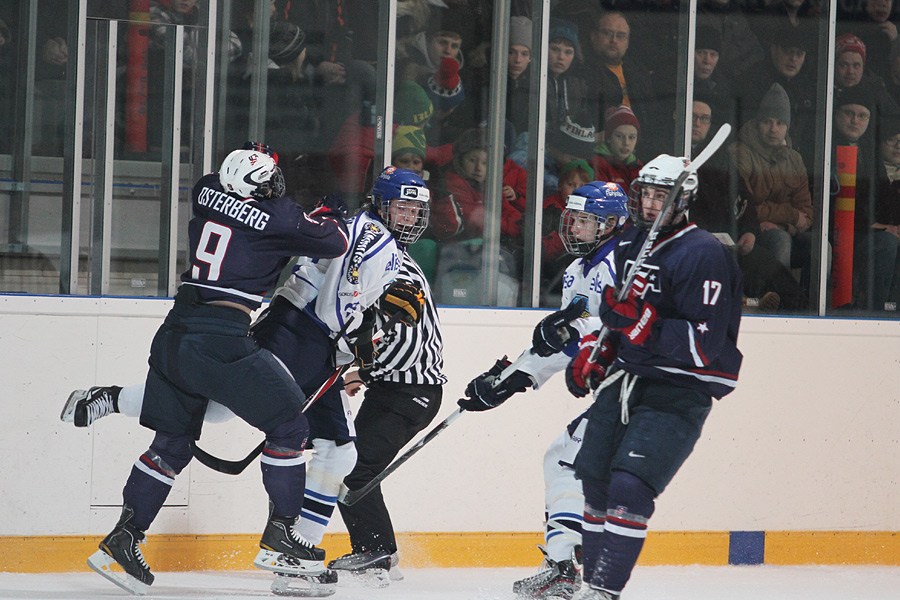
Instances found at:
x=306 y=586
x=121 y=547
x=283 y=550
x=83 y=407
x=369 y=569
x=554 y=581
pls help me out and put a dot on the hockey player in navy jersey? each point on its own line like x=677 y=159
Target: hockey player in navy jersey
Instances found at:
x=671 y=348
x=321 y=306
x=241 y=236
x=594 y=216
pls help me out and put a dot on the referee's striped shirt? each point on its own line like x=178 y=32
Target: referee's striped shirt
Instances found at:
x=413 y=354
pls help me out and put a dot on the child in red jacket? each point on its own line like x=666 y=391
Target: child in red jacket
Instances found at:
x=614 y=160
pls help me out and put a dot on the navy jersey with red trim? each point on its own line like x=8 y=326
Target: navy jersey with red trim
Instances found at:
x=238 y=248
x=696 y=286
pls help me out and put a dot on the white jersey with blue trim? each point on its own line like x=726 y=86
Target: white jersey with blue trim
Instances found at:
x=584 y=278
x=335 y=292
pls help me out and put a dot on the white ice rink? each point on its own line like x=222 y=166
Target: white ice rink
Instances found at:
x=648 y=583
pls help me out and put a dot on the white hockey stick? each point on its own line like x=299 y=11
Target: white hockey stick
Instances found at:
x=691 y=168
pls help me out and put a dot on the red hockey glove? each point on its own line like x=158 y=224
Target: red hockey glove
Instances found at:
x=633 y=317
x=581 y=374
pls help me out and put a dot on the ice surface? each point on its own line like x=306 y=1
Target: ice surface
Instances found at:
x=648 y=583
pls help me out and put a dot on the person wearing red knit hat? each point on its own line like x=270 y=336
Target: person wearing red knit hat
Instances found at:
x=614 y=158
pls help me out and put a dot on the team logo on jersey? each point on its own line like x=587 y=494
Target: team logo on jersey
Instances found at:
x=371 y=233
x=646 y=280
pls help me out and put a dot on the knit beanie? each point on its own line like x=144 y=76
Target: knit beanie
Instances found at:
x=408 y=138
x=619 y=115
x=775 y=104
x=850 y=43
x=562 y=29
x=573 y=138
x=858 y=94
x=286 y=42
x=577 y=164
x=411 y=104
x=444 y=87
x=520 y=32
x=708 y=38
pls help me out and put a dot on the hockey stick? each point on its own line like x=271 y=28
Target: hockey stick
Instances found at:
x=235 y=467
x=349 y=497
x=714 y=144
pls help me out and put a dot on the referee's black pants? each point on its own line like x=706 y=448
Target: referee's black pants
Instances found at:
x=391 y=414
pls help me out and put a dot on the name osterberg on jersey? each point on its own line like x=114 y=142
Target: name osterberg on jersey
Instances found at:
x=239 y=210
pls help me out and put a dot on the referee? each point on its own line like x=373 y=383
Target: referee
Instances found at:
x=403 y=395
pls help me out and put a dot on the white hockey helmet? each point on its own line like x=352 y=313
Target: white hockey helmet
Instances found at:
x=662 y=172
x=251 y=174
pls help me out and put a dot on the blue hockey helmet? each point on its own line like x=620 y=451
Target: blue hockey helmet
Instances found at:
x=655 y=180
x=594 y=212
x=411 y=201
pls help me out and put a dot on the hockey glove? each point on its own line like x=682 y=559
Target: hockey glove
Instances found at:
x=331 y=206
x=553 y=332
x=633 y=317
x=485 y=392
x=582 y=375
x=361 y=343
x=406 y=300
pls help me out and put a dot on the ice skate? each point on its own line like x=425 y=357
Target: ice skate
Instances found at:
x=283 y=550
x=121 y=547
x=395 y=574
x=554 y=580
x=306 y=586
x=590 y=593
x=83 y=407
x=367 y=569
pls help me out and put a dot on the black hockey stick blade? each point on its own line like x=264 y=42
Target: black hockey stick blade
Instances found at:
x=229 y=467
x=349 y=497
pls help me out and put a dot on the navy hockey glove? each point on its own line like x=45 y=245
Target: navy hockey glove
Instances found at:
x=404 y=300
x=583 y=375
x=485 y=393
x=632 y=316
x=331 y=206
x=553 y=332
x=361 y=343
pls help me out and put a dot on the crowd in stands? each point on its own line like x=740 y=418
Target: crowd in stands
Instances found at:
x=611 y=106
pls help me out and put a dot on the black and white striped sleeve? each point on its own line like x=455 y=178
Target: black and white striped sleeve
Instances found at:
x=413 y=354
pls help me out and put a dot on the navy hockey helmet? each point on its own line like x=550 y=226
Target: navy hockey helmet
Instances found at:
x=655 y=180
x=252 y=173
x=594 y=212
x=409 y=217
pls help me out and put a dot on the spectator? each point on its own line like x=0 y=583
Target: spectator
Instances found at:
x=518 y=85
x=614 y=160
x=707 y=79
x=776 y=181
x=721 y=207
x=460 y=216
x=853 y=110
x=876 y=269
x=408 y=149
x=743 y=49
x=420 y=56
x=447 y=92
x=785 y=64
x=877 y=32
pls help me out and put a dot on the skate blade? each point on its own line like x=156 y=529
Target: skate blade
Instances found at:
x=303 y=586
x=269 y=560
x=68 y=412
x=395 y=574
x=101 y=562
x=367 y=578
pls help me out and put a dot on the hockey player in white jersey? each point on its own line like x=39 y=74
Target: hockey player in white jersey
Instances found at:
x=323 y=304
x=595 y=214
